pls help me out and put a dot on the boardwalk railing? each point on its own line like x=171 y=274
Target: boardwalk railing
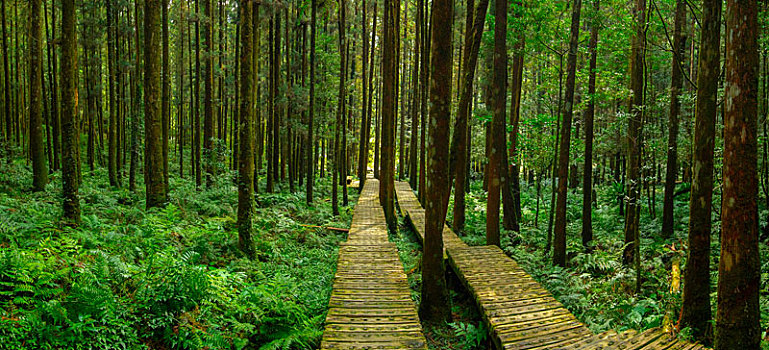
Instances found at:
x=519 y=312
x=371 y=306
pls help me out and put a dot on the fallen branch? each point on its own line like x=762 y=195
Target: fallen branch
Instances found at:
x=328 y=228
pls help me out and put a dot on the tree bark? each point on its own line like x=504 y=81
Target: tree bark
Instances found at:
x=389 y=103
x=587 y=176
x=434 y=307
x=35 y=70
x=497 y=156
x=154 y=178
x=676 y=82
x=460 y=140
x=7 y=91
x=70 y=130
x=635 y=128
x=739 y=273
x=559 y=241
x=310 y=123
x=209 y=153
x=696 y=295
x=166 y=94
x=246 y=152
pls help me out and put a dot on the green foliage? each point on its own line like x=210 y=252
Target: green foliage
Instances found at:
x=473 y=337
x=166 y=278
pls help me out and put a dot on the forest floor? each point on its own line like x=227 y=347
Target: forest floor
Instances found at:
x=174 y=279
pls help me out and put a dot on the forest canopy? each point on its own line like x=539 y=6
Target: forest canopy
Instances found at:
x=188 y=173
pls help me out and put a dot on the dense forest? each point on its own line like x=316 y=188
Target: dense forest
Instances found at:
x=180 y=174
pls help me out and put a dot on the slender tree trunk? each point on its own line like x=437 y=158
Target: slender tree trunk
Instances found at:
x=208 y=94
x=739 y=273
x=587 y=176
x=696 y=296
x=246 y=153
x=515 y=116
x=424 y=77
x=55 y=119
x=166 y=94
x=197 y=132
x=676 y=82
x=389 y=103
x=635 y=128
x=154 y=177
x=113 y=118
x=559 y=243
x=271 y=107
x=365 y=120
x=415 y=99
x=310 y=126
x=70 y=130
x=497 y=154
x=435 y=305
x=35 y=70
x=460 y=141
x=339 y=129
x=7 y=91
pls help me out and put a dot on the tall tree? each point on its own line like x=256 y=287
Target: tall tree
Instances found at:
x=6 y=89
x=460 y=140
x=154 y=178
x=246 y=152
x=389 y=103
x=413 y=167
x=339 y=128
x=69 y=123
x=587 y=176
x=696 y=296
x=166 y=94
x=112 y=132
x=739 y=273
x=635 y=127
x=208 y=94
x=364 y=135
x=35 y=70
x=676 y=82
x=310 y=123
x=559 y=246
x=435 y=297
x=498 y=154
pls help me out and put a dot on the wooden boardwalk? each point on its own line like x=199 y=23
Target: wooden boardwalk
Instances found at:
x=370 y=305
x=517 y=310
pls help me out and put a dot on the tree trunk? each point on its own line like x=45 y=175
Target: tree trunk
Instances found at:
x=154 y=178
x=35 y=53
x=364 y=136
x=634 y=136
x=246 y=152
x=208 y=95
x=460 y=140
x=559 y=242
x=166 y=94
x=587 y=176
x=197 y=133
x=424 y=80
x=497 y=155
x=70 y=130
x=739 y=272
x=676 y=82
x=310 y=126
x=696 y=296
x=112 y=138
x=339 y=129
x=389 y=103
x=7 y=91
x=415 y=99
x=435 y=305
